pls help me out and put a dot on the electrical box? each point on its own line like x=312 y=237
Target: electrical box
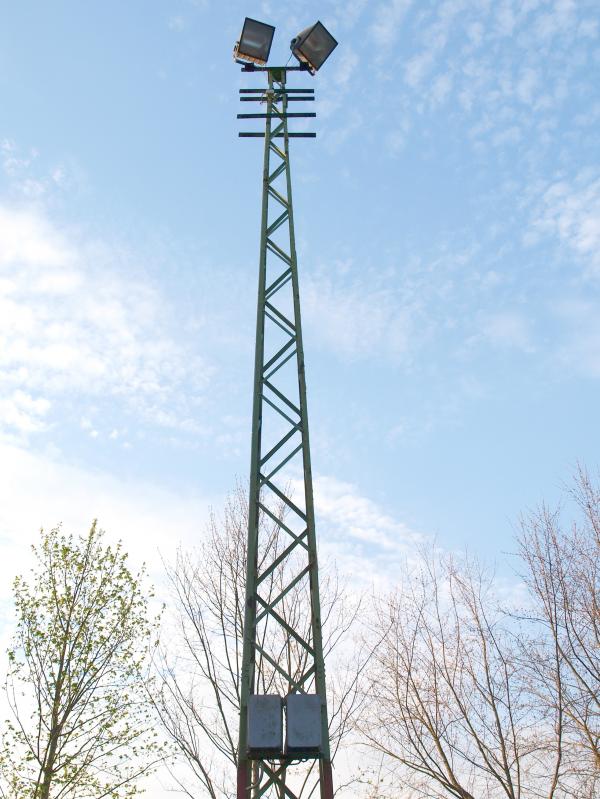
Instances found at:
x=303 y=725
x=265 y=726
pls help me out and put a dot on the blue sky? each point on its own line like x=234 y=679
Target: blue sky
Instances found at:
x=448 y=227
x=448 y=223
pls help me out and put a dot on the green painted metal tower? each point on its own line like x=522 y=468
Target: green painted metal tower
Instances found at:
x=283 y=713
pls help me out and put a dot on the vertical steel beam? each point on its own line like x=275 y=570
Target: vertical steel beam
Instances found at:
x=249 y=654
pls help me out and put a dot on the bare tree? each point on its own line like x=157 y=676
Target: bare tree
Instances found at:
x=200 y=661
x=563 y=574
x=450 y=702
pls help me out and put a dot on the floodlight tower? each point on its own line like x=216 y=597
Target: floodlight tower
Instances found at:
x=283 y=671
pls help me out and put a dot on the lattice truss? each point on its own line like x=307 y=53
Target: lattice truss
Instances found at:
x=283 y=650
x=286 y=531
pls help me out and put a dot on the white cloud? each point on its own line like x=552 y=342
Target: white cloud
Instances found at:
x=570 y=211
x=508 y=329
x=417 y=67
x=348 y=12
x=505 y=18
x=526 y=85
x=176 y=23
x=503 y=62
x=355 y=320
x=42 y=491
x=71 y=325
x=339 y=504
x=345 y=68
x=28 y=240
x=17 y=166
x=337 y=88
x=368 y=544
x=395 y=141
x=388 y=20
x=336 y=135
x=558 y=19
x=580 y=350
x=433 y=42
x=12 y=161
x=441 y=88
x=510 y=65
x=23 y=413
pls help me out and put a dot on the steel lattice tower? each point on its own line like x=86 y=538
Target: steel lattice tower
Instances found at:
x=278 y=651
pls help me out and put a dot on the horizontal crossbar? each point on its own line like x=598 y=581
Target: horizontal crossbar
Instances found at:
x=263 y=99
x=247 y=135
x=279 y=91
x=291 y=115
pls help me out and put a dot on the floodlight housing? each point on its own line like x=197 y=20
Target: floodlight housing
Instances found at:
x=313 y=46
x=255 y=42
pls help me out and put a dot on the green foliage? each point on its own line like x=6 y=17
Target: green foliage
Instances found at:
x=76 y=684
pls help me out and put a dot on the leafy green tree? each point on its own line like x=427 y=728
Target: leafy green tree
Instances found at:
x=80 y=722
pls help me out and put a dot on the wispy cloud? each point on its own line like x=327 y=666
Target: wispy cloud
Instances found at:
x=176 y=23
x=508 y=65
x=561 y=16
x=570 y=211
x=509 y=329
x=349 y=12
x=39 y=490
x=366 y=543
x=579 y=349
x=72 y=325
x=388 y=20
x=356 y=320
x=21 y=412
x=358 y=518
x=19 y=167
x=433 y=41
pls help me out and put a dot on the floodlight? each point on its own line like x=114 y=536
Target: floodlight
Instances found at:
x=313 y=46
x=255 y=42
